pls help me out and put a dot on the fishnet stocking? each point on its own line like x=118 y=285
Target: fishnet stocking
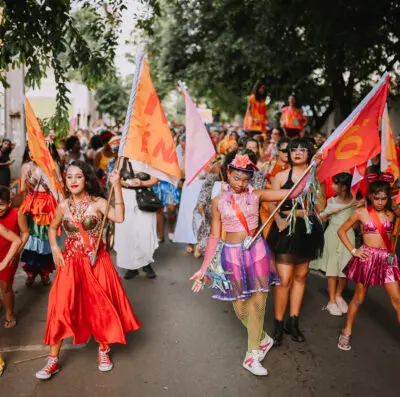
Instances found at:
x=251 y=314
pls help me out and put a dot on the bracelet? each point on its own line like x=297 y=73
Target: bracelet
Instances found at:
x=353 y=251
x=119 y=203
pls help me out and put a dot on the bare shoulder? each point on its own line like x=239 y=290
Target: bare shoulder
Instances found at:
x=98 y=202
x=361 y=213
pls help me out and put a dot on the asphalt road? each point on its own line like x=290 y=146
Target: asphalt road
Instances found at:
x=193 y=346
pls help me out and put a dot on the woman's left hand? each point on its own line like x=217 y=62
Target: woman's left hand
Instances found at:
x=318 y=158
x=115 y=179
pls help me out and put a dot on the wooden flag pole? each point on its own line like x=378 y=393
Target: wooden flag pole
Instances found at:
x=249 y=243
x=397 y=236
x=105 y=217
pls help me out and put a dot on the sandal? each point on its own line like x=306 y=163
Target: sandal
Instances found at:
x=197 y=253
x=189 y=249
x=10 y=323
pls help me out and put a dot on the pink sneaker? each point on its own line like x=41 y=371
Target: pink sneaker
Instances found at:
x=50 y=369
x=265 y=346
x=105 y=363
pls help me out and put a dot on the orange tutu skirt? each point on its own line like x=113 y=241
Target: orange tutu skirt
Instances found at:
x=87 y=301
x=41 y=206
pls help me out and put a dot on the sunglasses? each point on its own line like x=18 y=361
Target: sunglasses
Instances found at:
x=286 y=151
x=301 y=150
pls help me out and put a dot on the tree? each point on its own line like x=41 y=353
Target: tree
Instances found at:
x=113 y=97
x=45 y=34
x=326 y=54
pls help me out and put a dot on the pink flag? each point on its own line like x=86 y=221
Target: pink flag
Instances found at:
x=199 y=147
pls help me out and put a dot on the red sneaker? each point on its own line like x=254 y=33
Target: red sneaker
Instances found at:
x=51 y=368
x=105 y=363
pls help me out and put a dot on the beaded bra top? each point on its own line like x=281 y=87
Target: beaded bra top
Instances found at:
x=81 y=213
x=370 y=228
x=248 y=203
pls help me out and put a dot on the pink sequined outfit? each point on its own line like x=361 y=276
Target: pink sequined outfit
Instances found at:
x=375 y=269
x=250 y=269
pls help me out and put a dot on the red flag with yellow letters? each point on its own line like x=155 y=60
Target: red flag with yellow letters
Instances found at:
x=146 y=137
x=38 y=148
x=356 y=140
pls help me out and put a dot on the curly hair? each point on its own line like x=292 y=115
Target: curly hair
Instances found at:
x=92 y=185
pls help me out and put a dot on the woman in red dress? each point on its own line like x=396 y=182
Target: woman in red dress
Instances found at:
x=85 y=300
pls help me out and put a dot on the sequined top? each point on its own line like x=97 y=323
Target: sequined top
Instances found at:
x=248 y=203
x=370 y=228
x=90 y=221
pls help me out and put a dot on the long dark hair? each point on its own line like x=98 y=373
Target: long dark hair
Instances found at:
x=377 y=187
x=92 y=185
x=26 y=157
x=302 y=142
x=259 y=97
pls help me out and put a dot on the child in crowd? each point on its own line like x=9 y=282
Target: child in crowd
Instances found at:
x=335 y=255
x=374 y=263
x=12 y=224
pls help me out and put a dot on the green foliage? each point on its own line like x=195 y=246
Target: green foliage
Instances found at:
x=48 y=34
x=112 y=97
x=324 y=52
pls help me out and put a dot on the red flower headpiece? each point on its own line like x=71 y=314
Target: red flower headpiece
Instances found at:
x=384 y=177
x=242 y=161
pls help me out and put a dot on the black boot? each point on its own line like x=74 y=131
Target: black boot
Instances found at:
x=292 y=328
x=278 y=333
x=150 y=273
x=131 y=274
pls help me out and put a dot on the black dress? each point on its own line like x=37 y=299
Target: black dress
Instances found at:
x=298 y=247
x=5 y=174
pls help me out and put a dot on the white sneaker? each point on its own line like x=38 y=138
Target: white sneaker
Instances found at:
x=342 y=305
x=333 y=309
x=105 y=363
x=265 y=346
x=171 y=237
x=252 y=364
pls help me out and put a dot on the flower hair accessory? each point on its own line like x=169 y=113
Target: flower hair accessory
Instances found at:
x=384 y=177
x=242 y=161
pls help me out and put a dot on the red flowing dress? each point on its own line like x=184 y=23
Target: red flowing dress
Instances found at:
x=87 y=300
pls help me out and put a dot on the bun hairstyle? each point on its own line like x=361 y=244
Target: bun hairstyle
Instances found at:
x=302 y=142
x=380 y=183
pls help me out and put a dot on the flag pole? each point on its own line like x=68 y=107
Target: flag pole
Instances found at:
x=105 y=216
x=249 y=243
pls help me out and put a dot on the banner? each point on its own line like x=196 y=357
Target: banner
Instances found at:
x=389 y=160
x=356 y=140
x=146 y=137
x=199 y=147
x=38 y=148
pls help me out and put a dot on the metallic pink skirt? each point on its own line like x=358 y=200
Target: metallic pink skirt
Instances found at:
x=374 y=270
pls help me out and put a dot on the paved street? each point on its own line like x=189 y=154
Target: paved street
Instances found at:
x=192 y=346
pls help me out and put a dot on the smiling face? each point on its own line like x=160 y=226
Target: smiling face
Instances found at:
x=75 y=180
x=299 y=155
x=4 y=207
x=238 y=180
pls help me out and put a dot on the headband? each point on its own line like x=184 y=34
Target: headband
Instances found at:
x=384 y=177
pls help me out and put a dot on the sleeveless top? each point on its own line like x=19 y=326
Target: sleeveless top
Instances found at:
x=10 y=222
x=288 y=204
x=248 y=203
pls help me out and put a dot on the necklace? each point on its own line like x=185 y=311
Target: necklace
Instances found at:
x=78 y=208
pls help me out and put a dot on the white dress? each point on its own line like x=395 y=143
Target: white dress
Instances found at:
x=135 y=238
x=184 y=225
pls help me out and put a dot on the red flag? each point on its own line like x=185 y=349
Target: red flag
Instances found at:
x=356 y=140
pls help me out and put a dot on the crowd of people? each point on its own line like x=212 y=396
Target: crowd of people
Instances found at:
x=256 y=167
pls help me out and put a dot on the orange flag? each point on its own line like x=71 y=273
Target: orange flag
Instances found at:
x=356 y=140
x=38 y=148
x=389 y=160
x=146 y=137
